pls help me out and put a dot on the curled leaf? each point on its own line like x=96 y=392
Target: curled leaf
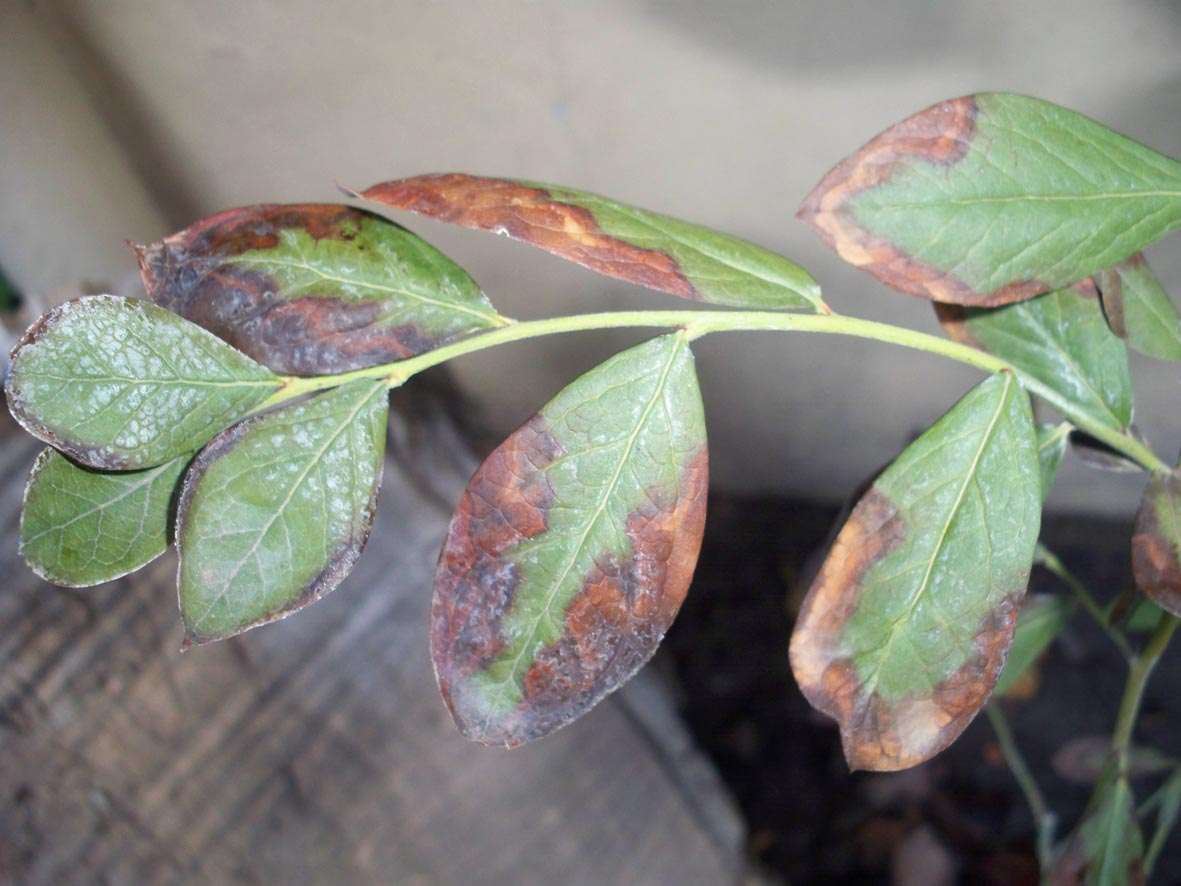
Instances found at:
x=81 y=527
x=120 y=384
x=611 y=238
x=906 y=628
x=1139 y=310
x=993 y=198
x=314 y=289
x=572 y=548
x=276 y=510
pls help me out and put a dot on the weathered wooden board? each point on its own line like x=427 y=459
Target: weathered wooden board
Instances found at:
x=315 y=750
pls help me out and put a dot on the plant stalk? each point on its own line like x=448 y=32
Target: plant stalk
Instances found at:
x=1142 y=669
x=697 y=323
x=1044 y=819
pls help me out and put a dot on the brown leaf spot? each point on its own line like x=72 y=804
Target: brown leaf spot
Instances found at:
x=533 y=216
x=877 y=733
x=189 y=274
x=1111 y=291
x=938 y=136
x=506 y=502
x=1155 y=553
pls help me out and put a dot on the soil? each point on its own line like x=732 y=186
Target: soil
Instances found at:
x=959 y=818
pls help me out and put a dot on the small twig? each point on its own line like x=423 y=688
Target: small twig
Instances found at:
x=1044 y=819
x=1050 y=561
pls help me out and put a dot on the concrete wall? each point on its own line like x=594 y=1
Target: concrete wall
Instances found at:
x=722 y=113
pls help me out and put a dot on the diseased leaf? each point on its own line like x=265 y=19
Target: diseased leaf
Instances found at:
x=1042 y=618
x=1062 y=340
x=1107 y=849
x=1082 y=760
x=994 y=198
x=119 y=384
x=1051 y=446
x=81 y=527
x=906 y=628
x=1156 y=542
x=275 y=511
x=314 y=289
x=573 y=547
x=1139 y=310
x=612 y=238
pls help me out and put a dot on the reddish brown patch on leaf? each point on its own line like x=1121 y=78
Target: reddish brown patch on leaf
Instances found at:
x=1155 y=551
x=876 y=733
x=506 y=502
x=533 y=216
x=189 y=273
x=1111 y=292
x=938 y=136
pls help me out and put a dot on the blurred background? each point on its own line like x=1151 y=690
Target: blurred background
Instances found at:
x=128 y=119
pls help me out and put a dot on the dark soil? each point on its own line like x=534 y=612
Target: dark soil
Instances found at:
x=959 y=818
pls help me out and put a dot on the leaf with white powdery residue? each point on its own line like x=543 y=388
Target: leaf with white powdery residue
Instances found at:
x=611 y=238
x=314 y=289
x=81 y=527
x=275 y=511
x=906 y=628
x=1139 y=310
x=1156 y=542
x=1062 y=340
x=994 y=198
x=119 y=384
x=573 y=547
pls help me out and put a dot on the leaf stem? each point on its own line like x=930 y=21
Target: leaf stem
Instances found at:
x=1142 y=669
x=1052 y=564
x=697 y=323
x=1044 y=819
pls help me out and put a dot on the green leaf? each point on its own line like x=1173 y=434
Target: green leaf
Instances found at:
x=1156 y=542
x=1062 y=340
x=81 y=527
x=275 y=511
x=1051 y=446
x=1166 y=819
x=906 y=628
x=1139 y=310
x=993 y=198
x=1145 y=616
x=119 y=384
x=1107 y=849
x=1042 y=618
x=314 y=289
x=611 y=238
x=573 y=547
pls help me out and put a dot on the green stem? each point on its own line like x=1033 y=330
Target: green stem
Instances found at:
x=1043 y=818
x=1056 y=567
x=1129 y=707
x=698 y=323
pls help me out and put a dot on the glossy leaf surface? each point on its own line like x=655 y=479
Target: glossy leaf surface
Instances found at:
x=612 y=238
x=275 y=511
x=994 y=198
x=81 y=527
x=1042 y=618
x=1062 y=340
x=573 y=547
x=1139 y=310
x=314 y=289
x=120 y=384
x=1156 y=543
x=906 y=628
x=1051 y=446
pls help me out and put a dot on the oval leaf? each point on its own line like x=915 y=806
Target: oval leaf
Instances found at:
x=1051 y=446
x=572 y=548
x=81 y=527
x=119 y=384
x=314 y=289
x=906 y=628
x=1107 y=848
x=1156 y=543
x=1042 y=618
x=1139 y=310
x=611 y=238
x=275 y=511
x=994 y=198
x=1062 y=340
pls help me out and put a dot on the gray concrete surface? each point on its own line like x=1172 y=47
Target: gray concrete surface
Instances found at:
x=723 y=113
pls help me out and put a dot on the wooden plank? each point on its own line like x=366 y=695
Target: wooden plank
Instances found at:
x=316 y=750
